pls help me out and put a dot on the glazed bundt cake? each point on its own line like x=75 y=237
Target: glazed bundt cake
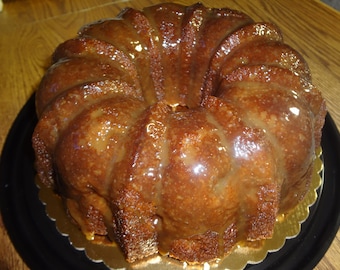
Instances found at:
x=177 y=129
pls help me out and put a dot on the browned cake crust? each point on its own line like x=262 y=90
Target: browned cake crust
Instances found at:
x=179 y=130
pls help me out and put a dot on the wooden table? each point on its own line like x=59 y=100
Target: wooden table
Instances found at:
x=31 y=29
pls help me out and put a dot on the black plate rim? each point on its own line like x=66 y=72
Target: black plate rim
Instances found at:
x=41 y=246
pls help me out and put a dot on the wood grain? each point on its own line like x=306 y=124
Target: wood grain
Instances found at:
x=31 y=29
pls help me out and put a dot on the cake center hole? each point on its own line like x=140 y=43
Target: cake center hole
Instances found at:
x=178 y=107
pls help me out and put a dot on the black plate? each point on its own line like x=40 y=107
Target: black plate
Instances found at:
x=41 y=246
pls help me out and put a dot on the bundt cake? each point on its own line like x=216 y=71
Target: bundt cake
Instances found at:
x=177 y=129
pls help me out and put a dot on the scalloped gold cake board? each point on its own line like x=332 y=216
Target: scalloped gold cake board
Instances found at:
x=285 y=228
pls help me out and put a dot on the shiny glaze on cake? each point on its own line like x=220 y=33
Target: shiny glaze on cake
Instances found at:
x=178 y=129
